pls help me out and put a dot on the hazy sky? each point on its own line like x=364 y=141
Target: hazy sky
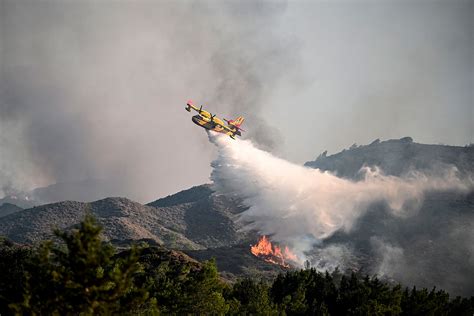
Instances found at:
x=97 y=89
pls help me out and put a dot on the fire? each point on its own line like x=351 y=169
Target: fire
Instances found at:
x=272 y=253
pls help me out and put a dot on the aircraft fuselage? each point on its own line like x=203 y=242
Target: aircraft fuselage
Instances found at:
x=213 y=125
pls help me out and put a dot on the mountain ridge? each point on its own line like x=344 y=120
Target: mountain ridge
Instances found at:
x=396 y=157
x=202 y=220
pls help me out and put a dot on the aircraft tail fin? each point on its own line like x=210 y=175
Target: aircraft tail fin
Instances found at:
x=238 y=121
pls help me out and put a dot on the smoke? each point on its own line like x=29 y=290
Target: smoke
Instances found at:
x=391 y=257
x=96 y=90
x=303 y=207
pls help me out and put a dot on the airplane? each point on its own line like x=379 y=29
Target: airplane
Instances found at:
x=210 y=122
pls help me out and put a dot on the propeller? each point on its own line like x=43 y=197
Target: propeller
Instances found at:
x=212 y=120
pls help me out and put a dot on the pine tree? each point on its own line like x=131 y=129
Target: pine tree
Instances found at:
x=13 y=259
x=83 y=276
x=252 y=298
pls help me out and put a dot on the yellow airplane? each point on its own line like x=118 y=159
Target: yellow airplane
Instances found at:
x=213 y=123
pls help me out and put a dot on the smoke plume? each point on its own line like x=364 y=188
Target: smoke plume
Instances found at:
x=96 y=90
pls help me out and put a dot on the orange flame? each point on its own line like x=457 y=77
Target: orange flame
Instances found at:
x=272 y=253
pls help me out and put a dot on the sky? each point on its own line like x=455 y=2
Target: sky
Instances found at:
x=97 y=89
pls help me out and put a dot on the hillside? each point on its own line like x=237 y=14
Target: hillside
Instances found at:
x=121 y=218
x=202 y=216
x=430 y=246
x=197 y=219
x=236 y=261
x=8 y=208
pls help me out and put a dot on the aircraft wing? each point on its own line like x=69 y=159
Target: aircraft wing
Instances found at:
x=231 y=132
x=227 y=128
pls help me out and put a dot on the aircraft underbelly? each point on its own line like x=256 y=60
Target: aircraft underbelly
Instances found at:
x=207 y=125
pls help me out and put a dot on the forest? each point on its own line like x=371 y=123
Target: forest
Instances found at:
x=78 y=273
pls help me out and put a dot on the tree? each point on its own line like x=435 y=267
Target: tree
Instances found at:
x=82 y=276
x=13 y=259
x=182 y=287
x=251 y=298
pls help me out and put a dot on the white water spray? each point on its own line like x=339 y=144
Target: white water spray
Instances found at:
x=300 y=206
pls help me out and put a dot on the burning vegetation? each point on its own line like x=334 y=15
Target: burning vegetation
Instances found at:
x=269 y=252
